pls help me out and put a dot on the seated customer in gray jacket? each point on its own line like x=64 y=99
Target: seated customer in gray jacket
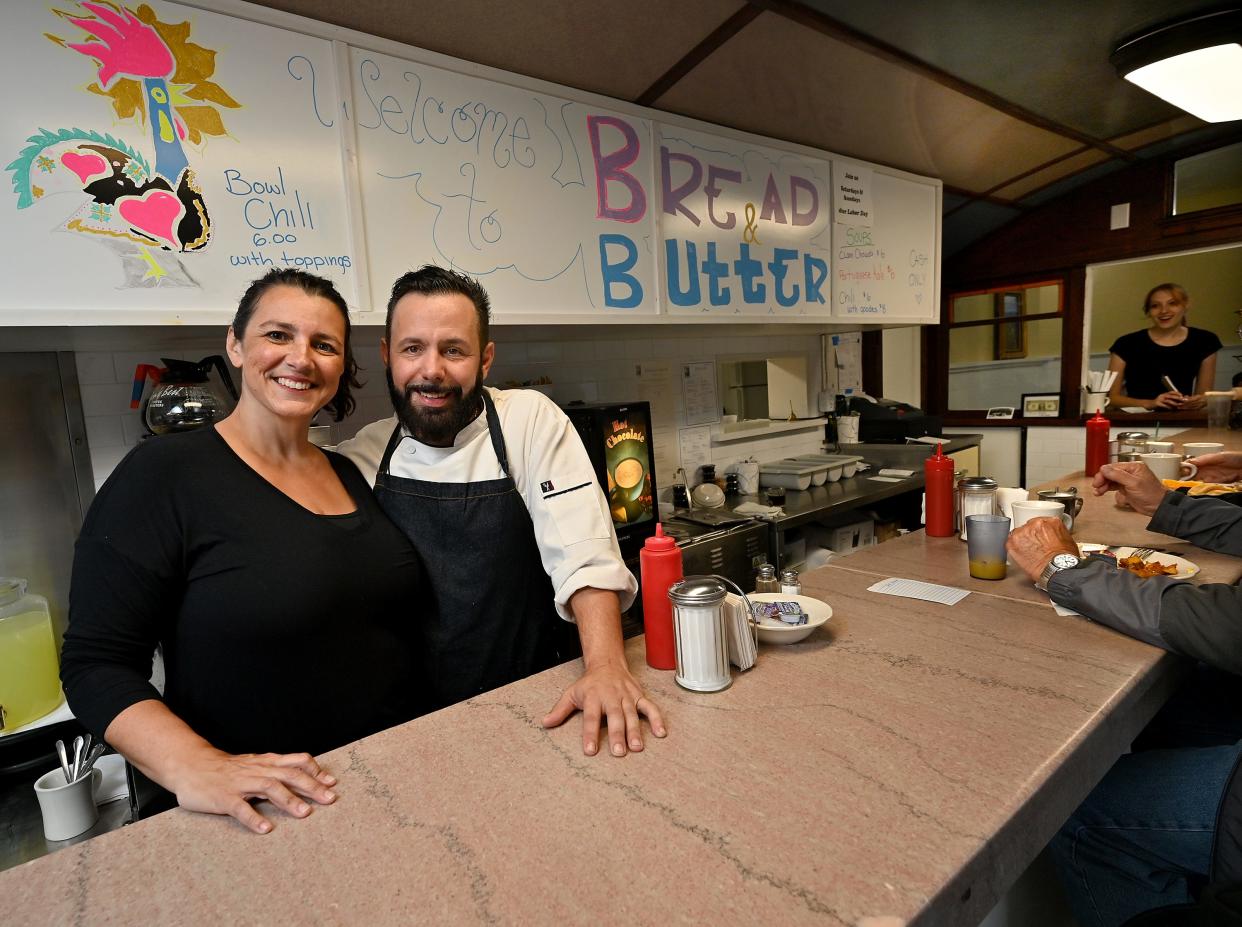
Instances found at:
x=1167 y=818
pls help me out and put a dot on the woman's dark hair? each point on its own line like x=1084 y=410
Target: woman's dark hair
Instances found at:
x=430 y=280
x=342 y=404
x=1175 y=288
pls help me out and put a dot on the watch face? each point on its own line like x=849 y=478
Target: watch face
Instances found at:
x=1064 y=561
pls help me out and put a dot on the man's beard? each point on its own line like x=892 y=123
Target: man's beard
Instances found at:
x=436 y=427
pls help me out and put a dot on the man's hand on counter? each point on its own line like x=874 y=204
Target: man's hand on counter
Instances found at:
x=607 y=691
x=205 y=779
x=1034 y=544
x=1134 y=484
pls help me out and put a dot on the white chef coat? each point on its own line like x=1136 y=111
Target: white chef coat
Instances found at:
x=573 y=527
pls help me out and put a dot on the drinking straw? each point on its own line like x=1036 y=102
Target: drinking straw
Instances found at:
x=1157 y=437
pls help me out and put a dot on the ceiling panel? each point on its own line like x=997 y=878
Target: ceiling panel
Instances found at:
x=858 y=105
x=1051 y=174
x=616 y=50
x=1049 y=57
x=1169 y=129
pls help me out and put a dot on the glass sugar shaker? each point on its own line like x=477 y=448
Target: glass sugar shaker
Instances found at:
x=978 y=497
x=790 y=584
x=766 y=580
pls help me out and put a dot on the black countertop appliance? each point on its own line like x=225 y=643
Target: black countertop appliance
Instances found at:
x=888 y=421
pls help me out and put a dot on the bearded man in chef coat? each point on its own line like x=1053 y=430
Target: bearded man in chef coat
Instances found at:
x=496 y=491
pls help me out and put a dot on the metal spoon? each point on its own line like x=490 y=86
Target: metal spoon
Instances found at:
x=64 y=761
x=89 y=763
x=77 y=757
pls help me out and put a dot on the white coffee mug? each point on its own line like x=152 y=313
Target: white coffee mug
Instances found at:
x=68 y=809
x=1199 y=448
x=1169 y=466
x=1039 y=508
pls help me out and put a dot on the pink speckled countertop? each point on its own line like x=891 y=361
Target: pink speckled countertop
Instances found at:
x=902 y=765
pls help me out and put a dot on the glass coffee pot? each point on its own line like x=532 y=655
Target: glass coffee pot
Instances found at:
x=184 y=396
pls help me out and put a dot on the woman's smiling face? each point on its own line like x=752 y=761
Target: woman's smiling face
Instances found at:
x=1166 y=309
x=292 y=354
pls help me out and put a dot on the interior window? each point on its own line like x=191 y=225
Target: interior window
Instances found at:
x=1004 y=342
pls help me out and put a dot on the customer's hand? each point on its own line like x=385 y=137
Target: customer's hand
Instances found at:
x=1034 y=544
x=1134 y=484
x=216 y=782
x=1197 y=401
x=1219 y=468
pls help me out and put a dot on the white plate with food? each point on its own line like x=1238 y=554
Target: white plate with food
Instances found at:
x=775 y=631
x=1154 y=564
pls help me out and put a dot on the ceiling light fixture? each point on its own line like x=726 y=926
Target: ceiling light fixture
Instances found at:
x=1195 y=63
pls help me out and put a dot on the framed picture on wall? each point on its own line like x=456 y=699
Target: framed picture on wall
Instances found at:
x=1010 y=336
x=1041 y=405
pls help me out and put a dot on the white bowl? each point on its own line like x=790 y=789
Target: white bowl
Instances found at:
x=772 y=631
x=708 y=496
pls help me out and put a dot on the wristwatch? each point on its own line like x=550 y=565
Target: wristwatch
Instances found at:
x=1056 y=565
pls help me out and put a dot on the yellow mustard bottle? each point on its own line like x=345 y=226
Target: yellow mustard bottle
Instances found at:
x=29 y=668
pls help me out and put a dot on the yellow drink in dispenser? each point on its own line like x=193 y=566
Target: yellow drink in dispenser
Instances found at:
x=29 y=668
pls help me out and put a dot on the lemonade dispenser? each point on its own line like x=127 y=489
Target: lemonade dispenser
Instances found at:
x=29 y=668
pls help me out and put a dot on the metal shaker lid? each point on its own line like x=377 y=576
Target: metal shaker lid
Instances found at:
x=697 y=590
x=1131 y=437
x=979 y=484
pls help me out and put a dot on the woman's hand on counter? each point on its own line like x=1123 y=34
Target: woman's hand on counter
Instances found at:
x=170 y=753
x=216 y=782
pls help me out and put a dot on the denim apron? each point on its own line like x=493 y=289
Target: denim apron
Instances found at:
x=488 y=617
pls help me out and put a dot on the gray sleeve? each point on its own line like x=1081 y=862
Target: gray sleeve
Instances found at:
x=1212 y=524
x=1203 y=622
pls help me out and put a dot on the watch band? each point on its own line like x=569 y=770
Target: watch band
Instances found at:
x=1052 y=568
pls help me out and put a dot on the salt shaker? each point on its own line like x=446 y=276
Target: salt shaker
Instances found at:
x=790 y=584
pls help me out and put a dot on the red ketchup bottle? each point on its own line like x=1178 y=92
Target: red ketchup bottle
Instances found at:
x=659 y=566
x=1097 y=443
x=938 y=494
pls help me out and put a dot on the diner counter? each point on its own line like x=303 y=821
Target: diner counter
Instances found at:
x=903 y=765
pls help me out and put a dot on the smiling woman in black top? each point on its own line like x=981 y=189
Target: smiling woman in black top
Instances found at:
x=1169 y=348
x=277 y=587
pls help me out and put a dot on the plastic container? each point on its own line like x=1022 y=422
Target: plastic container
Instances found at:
x=29 y=668
x=1097 y=443
x=938 y=482
x=659 y=565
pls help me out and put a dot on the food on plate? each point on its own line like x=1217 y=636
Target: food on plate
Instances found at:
x=1145 y=569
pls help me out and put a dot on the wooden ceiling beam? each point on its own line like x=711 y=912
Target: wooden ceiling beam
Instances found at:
x=693 y=58
x=813 y=19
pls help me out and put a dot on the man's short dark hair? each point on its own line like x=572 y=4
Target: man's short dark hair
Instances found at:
x=430 y=280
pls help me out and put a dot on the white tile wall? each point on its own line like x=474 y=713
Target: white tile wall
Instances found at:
x=1051 y=453
x=591 y=364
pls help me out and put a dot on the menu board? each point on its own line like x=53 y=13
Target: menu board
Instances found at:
x=544 y=200
x=745 y=228
x=161 y=157
x=886 y=259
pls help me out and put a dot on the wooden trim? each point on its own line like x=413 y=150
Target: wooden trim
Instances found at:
x=996 y=320
x=693 y=58
x=813 y=19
